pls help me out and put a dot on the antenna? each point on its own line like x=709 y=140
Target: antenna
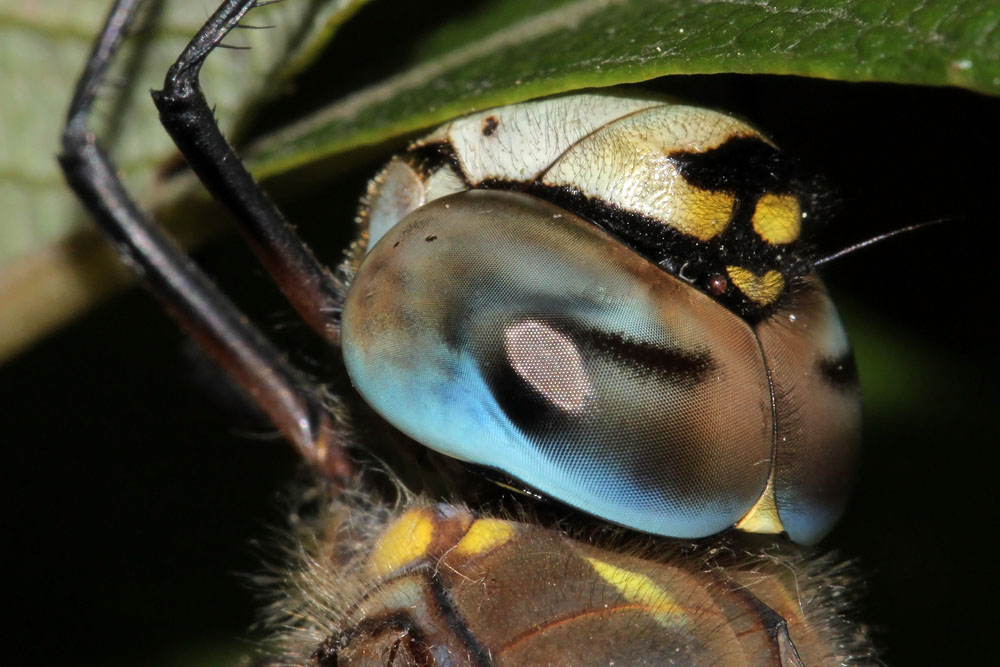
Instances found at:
x=881 y=237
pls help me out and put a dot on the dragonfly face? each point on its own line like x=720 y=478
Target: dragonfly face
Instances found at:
x=605 y=298
x=628 y=572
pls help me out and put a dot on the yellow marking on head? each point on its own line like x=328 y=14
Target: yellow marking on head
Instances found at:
x=700 y=213
x=763 y=516
x=404 y=541
x=762 y=290
x=483 y=535
x=777 y=218
x=640 y=589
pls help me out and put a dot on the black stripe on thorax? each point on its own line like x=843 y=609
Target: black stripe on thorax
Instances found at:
x=401 y=619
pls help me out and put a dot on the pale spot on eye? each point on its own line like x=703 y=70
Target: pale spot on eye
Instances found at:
x=548 y=361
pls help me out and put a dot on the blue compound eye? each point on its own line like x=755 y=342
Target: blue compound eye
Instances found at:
x=502 y=330
x=607 y=298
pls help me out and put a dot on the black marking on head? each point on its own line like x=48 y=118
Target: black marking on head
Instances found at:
x=427 y=159
x=743 y=166
x=841 y=373
x=746 y=166
x=685 y=256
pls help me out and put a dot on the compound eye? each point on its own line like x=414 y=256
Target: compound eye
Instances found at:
x=502 y=330
x=818 y=409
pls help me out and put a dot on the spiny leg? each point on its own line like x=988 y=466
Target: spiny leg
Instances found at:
x=279 y=389
x=309 y=286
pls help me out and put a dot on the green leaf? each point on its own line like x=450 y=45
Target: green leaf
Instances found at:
x=48 y=269
x=519 y=49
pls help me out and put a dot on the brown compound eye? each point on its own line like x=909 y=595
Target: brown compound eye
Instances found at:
x=652 y=412
x=716 y=284
x=664 y=389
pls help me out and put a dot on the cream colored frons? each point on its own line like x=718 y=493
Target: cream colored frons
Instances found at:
x=763 y=516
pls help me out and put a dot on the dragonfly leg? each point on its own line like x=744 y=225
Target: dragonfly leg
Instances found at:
x=310 y=286
x=279 y=389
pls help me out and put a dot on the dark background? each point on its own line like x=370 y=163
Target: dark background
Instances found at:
x=136 y=488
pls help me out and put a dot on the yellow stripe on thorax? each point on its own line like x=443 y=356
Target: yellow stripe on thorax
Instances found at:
x=404 y=541
x=640 y=589
x=483 y=535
